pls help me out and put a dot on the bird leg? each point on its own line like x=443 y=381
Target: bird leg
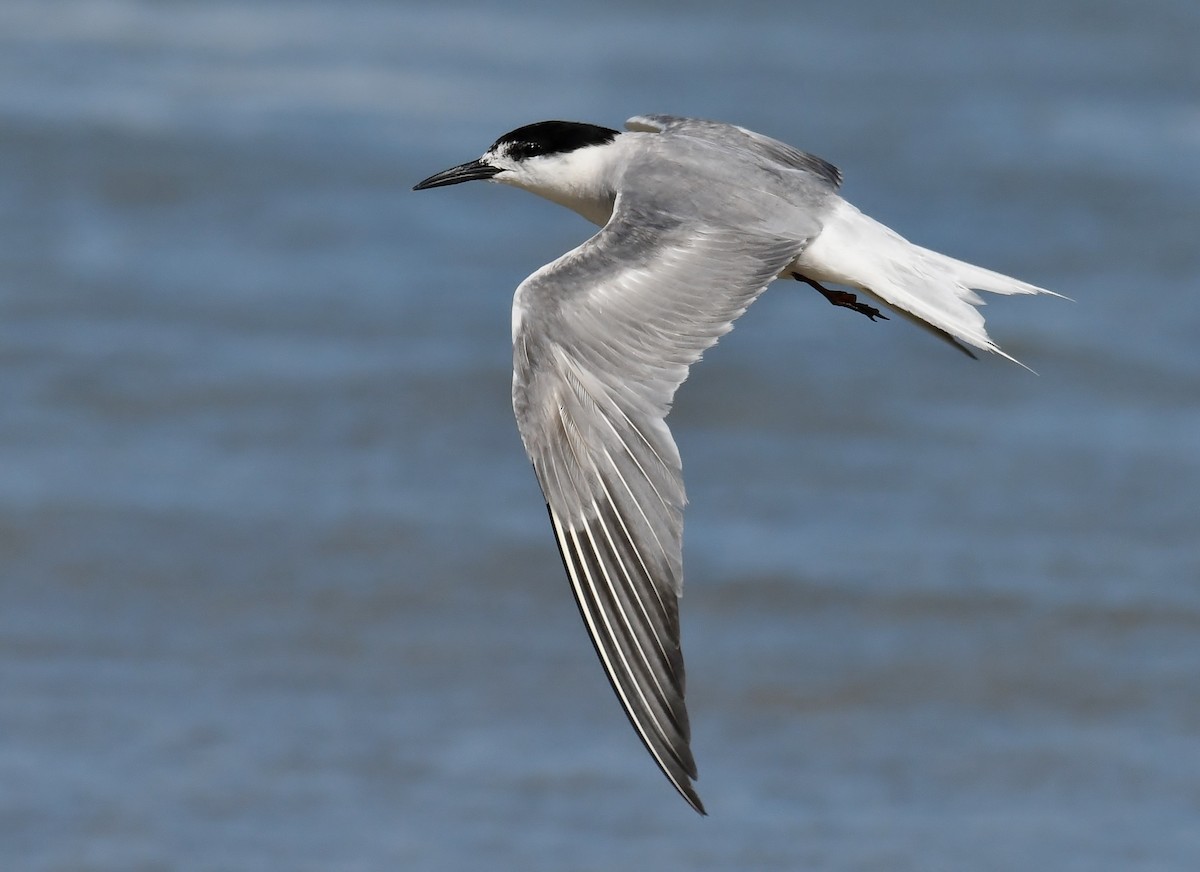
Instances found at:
x=842 y=298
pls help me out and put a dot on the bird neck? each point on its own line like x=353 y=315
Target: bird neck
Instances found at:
x=584 y=181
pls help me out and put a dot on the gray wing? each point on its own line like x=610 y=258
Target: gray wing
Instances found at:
x=602 y=338
x=720 y=131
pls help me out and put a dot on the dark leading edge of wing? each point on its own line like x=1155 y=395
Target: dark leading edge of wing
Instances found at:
x=614 y=596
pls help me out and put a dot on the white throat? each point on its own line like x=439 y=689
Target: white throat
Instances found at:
x=584 y=180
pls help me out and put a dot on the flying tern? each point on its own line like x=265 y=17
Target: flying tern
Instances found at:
x=697 y=218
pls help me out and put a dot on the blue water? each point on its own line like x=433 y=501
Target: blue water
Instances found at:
x=276 y=585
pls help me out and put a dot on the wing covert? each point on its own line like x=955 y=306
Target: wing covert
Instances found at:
x=603 y=338
x=749 y=139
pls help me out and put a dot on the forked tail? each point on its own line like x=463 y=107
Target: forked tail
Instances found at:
x=934 y=291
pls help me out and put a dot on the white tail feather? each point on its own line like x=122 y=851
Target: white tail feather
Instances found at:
x=929 y=288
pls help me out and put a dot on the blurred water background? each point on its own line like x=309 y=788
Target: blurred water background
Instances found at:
x=277 y=590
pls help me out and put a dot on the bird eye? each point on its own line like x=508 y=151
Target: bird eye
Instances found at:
x=522 y=150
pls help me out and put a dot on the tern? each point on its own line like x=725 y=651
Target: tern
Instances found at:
x=697 y=218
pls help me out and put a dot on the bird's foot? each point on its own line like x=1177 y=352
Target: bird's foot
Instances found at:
x=845 y=299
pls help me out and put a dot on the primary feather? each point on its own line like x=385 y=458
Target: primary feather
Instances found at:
x=697 y=217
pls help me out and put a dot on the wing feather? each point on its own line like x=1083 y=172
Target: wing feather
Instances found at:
x=606 y=336
x=719 y=131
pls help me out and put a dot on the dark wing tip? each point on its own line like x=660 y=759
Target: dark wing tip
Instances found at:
x=693 y=799
x=660 y=722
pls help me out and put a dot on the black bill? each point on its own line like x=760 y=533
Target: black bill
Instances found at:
x=468 y=172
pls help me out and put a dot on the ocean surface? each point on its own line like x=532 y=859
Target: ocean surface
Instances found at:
x=277 y=590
